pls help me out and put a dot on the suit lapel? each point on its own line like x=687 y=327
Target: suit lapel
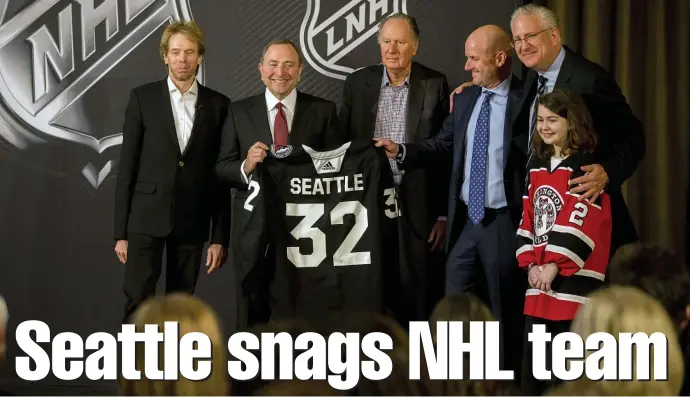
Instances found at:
x=259 y=118
x=468 y=114
x=462 y=129
x=563 y=79
x=303 y=112
x=515 y=102
x=516 y=99
x=200 y=110
x=371 y=94
x=168 y=116
x=415 y=102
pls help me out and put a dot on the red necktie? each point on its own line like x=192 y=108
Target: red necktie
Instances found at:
x=280 y=128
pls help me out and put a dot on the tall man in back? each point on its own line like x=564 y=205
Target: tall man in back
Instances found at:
x=407 y=102
x=488 y=141
x=167 y=196
x=280 y=115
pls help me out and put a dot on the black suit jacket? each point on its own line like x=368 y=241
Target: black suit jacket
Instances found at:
x=161 y=189
x=453 y=139
x=315 y=124
x=621 y=136
x=427 y=108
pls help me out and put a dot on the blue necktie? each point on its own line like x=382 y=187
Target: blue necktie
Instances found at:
x=479 y=154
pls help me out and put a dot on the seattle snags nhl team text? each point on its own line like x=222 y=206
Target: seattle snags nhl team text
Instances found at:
x=340 y=358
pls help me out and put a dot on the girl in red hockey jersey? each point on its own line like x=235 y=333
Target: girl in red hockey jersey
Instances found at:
x=563 y=242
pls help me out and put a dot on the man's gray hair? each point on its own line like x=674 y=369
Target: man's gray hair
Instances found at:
x=548 y=17
x=4 y=313
x=411 y=22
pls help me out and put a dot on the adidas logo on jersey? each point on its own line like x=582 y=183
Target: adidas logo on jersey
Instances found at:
x=328 y=167
x=327 y=162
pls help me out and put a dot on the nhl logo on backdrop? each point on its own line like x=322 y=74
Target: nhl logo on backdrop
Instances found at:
x=51 y=54
x=326 y=39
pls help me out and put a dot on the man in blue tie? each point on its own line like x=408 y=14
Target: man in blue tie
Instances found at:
x=487 y=137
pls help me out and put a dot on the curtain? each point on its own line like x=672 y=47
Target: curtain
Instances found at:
x=645 y=44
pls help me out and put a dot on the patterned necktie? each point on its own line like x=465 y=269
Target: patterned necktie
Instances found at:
x=540 y=92
x=479 y=154
x=280 y=128
x=533 y=124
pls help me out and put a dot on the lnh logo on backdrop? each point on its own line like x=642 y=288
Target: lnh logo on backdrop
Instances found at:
x=327 y=35
x=43 y=73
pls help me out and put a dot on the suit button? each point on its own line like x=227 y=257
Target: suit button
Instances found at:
x=181 y=163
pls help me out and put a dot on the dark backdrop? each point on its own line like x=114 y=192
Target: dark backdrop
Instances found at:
x=60 y=131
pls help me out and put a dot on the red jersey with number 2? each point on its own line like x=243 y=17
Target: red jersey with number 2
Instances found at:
x=558 y=228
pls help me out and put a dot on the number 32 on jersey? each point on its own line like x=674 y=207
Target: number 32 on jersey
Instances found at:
x=311 y=213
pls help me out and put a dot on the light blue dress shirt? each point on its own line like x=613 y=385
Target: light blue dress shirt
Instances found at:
x=495 y=190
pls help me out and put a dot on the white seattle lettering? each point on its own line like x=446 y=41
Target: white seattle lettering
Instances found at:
x=325 y=186
x=294 y=186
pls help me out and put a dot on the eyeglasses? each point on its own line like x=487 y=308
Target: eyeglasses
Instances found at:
x=530 y=38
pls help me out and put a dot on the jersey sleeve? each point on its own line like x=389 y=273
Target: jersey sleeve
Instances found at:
x=525 y=233
x=581 y=227
x=389 y=214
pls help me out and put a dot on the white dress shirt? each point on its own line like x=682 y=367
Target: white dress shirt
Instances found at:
x=184 y=110
x=289 y=103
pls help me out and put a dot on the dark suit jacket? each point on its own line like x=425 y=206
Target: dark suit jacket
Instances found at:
x=427 y=108
x=452 y=139
x=160 y=189
x=315 y=124
x=621 y=136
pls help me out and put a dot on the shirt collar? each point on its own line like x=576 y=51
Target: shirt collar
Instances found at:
x=194 y=89
x=551 y=73
x=289 y=101
x=502 y=89
x=385 y=81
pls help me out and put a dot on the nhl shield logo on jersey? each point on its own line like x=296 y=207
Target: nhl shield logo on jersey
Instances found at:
x=547 y=205
x=280 y=151
x=330 y=31
x=63 y=49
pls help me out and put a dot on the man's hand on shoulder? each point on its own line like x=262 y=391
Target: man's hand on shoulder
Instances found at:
x=458 y=90
x=392 y=148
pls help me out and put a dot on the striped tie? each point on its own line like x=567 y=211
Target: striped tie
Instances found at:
x=533 y=123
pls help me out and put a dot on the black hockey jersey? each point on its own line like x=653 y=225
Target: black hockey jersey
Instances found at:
x=332 y=218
